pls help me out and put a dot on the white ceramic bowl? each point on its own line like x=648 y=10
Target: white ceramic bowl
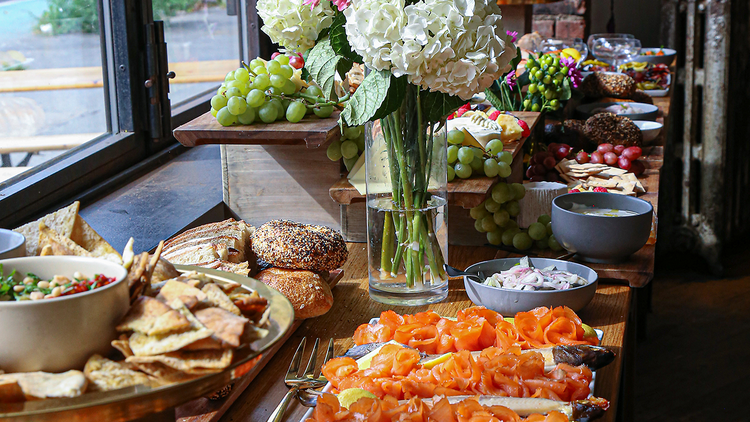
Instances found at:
x=667 y=58
x=510 y=301
x=59 y=334
x=649 y=129
x=12 y=244
x=648 y=111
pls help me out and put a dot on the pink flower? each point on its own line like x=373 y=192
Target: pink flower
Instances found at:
x=312 y=3
x=510 y=79
x=341 y=4
x=513 y=35
x=574 y=73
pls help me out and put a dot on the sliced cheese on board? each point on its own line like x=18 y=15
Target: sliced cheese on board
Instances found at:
x=477 y=129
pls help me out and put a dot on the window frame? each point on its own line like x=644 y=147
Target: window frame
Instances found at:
x=108 y=161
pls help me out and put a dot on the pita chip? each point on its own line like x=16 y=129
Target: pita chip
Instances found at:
x=215 y=296
x=163 y=374
x=62 y=221
x=85 y=236
x=11 y=392
x=57 y=243
x=105 y=375
x=43 y=385
x=186 y=361
x=226 y=326
x=152 y=317
x=123 y=345
x=146 y=345
x=175 y=290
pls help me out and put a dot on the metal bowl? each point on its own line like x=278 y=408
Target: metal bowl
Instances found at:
x=667 y=58
x=596 y=238
x=510 y=301
x=12 y=244
x=59 y=334
x=648 y=111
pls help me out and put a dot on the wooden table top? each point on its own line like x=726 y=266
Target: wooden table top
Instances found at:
x=352 y=306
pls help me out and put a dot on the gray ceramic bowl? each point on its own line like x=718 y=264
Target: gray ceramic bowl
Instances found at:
x=598 y=238
x=59 y=334
x=667 y=58
x=12 y=244
x=648 y=111
x=510 y=301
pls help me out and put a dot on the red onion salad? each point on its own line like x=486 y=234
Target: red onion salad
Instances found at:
x=525 y=277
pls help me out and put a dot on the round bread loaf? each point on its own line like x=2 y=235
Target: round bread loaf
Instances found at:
x=613 y=129
x=309 y=293
x=286 y=244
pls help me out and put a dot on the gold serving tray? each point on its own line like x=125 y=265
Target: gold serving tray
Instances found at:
x=131 y=403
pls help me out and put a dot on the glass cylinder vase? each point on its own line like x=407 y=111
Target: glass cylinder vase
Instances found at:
x=407 y=219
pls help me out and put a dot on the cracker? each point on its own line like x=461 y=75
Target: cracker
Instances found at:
x=43 y=385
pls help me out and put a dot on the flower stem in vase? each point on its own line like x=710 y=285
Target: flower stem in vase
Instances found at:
x=404 y=212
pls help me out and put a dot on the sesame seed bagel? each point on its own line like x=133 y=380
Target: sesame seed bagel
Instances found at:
x=287 y=244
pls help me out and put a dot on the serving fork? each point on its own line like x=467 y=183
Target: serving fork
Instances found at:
x=311 y=378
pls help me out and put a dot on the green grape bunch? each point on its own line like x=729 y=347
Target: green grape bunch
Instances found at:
x=349 y=148
x=265 y=91
x=465 y=161
x=549 y=82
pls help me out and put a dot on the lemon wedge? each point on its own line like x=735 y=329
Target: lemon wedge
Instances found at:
x=588 y=331
x=438 y=360
x=351 y=395
x=365 y=361
x=571 y=52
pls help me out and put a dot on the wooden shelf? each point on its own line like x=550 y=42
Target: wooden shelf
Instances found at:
x=467 y=193
x=310 y=131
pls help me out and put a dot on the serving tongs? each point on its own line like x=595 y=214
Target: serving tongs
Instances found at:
x=455 y=272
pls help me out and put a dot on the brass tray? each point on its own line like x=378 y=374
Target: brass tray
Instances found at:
x=139 y=401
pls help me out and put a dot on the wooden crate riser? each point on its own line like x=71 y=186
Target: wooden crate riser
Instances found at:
x=263 y=183
x=460 y=225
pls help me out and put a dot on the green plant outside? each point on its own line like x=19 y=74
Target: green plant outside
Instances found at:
x=70 y=16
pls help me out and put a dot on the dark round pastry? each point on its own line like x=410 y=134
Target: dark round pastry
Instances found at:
x=600 y=84
x=608 y=128
x=287 y=244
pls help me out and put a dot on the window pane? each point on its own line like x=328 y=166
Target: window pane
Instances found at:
x=202 y=44
x=51 y=82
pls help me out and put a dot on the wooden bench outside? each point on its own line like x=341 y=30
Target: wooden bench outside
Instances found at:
x=92 y=77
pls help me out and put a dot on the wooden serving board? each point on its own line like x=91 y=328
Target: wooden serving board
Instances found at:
x=205 y=410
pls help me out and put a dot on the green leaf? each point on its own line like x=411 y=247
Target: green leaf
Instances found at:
x=437 y=105
x=379 y=95
x=340 y=42
x=516 y=60
x=493 y=99
x=322 y=63
x=565 y=90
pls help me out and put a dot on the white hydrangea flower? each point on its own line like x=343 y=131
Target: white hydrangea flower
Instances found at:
x=373 y=28
x=292 y=24
x=458 y=47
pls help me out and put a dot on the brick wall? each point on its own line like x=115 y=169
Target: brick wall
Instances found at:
x=563 y=19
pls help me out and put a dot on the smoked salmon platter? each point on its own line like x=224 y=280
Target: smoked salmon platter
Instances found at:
x=537 y=366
